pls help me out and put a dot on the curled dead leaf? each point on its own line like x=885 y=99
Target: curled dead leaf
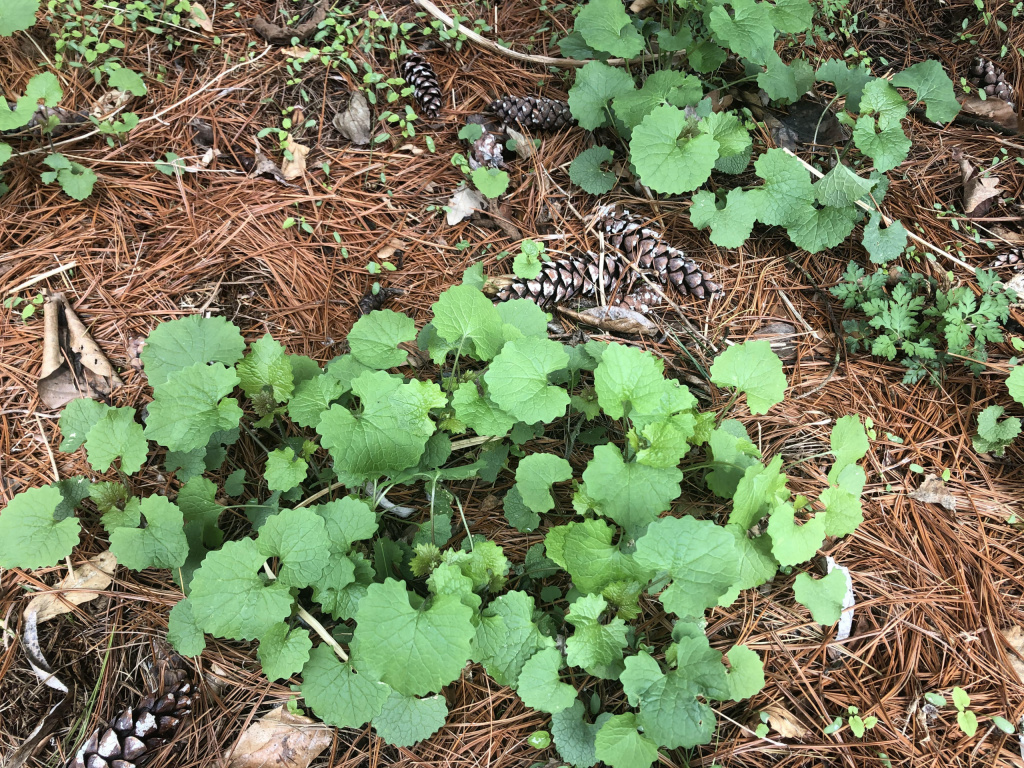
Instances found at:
x=75 y=588
x=276 y=34
x=991 y=112
x=1014 y=637
x=784 y=722
x=108 y=103
x=495 y=283
x=464 y=203
x=73 y=364
x=781 y=336
x=393 y=246
x=295 y=52
x=613 y=320
x=279 y=738
x=979 y=190
x=295 y=167
x=525 y=147
x=201 y=18
x=353 y=122
x=933 y=491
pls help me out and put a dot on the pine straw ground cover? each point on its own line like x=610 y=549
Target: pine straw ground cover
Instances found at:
x=934 y=587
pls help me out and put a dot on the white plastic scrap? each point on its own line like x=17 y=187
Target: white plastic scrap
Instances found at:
x=849 y=601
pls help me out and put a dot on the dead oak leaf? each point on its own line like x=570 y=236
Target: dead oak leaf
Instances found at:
x=979 y=190
x=294 y=164
x=75 y=588
x=933 y=491
x=280 y=739
x=201 y=18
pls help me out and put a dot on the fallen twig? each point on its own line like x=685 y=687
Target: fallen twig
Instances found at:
x=483 y=42
x=887 y=221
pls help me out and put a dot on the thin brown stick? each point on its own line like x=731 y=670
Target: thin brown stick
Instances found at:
x=887 y=221
x=483 y=42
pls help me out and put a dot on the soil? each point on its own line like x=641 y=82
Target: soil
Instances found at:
x=935 y=587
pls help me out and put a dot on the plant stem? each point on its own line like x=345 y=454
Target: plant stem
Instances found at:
x=309 y=619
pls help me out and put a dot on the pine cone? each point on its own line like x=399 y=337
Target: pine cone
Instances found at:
x=138 y=732
x=645 y=247
x=418 y=73
x=1011 y=259
x=372 y=301
x=988 y=77
x=487 y=151
x=564 y=279
x=532 y=112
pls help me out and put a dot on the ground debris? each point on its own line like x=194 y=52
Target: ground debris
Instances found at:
x=353 y=122
x=279 y=738
x=979 y=189
x=75 y=588
x=275 y=34
x=933 y=491
x=73 y=364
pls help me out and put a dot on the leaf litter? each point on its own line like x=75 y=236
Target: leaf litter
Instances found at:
x=275 y=305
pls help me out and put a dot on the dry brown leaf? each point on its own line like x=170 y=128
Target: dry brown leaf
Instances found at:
x=614 y=320
x=109 y=102
x=280 y=739
x=639 y=6
x=266 y=167
x=979 y=190
x=294 y=168
x=525 y=147
x=992 y=111
x=295 y=52
x=933 y=491
x=394 y=245
x=75 y=588
x=353 y=122
x=463 y=204
x=201 y=18
x=208 y=157
x=1014 y=636
x=73 y=365
x=783 y=722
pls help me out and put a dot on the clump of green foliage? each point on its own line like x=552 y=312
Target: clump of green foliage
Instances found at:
x=398 y=615
x=676 y=141
x=911 y=317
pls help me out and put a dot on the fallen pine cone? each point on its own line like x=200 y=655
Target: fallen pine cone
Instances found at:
x=533 y=112
x=987 y=77
x=418 y=73
x=138 y=732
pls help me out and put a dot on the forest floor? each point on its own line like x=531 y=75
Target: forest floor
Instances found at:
x=935 y=587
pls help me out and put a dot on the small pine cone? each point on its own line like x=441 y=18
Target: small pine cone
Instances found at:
x=532 y=112
x=988 y=77
x=566 y=279
x=371 y=301
x=646 y=248
x=487 y=151
x=418 y=73
x=137 y=732
x=641 y=300
x=1011 y=259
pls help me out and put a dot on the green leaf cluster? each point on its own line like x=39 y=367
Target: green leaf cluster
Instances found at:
x=677 y=140
x=912 y=317
x=411 y=611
